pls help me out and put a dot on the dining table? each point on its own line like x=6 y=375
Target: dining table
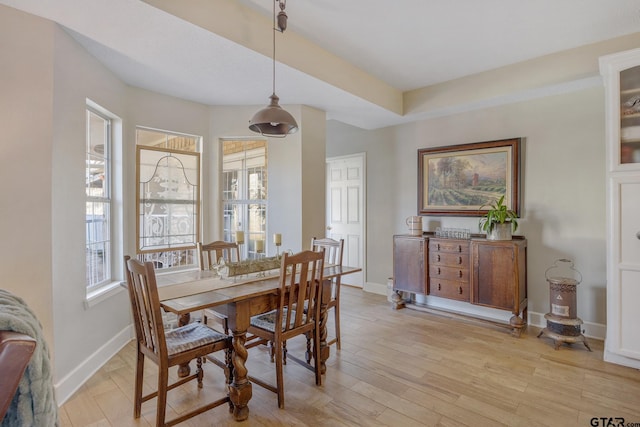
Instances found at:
x=239 y=298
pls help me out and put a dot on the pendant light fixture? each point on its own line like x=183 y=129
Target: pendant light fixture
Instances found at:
x=273 y=120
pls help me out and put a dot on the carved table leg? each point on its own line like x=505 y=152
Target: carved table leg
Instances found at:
x=324 y=348
x=184 y=370
x=240 y=390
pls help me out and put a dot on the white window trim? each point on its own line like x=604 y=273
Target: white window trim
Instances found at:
x=101 y=293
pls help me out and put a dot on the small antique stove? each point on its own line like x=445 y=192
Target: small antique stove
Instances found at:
x=563 y=325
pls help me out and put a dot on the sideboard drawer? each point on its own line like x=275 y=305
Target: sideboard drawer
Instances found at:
x=449 y=259
x=448 y=273
x=451 y=289
x=449 y=245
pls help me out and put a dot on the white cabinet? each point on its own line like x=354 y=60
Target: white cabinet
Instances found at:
x=621 y=73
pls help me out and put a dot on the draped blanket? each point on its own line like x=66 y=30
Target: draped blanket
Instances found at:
x=34 y=403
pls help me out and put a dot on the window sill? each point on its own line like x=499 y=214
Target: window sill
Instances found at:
x=104 y=292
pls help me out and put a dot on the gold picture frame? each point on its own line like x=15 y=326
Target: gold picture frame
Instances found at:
x=461 y=180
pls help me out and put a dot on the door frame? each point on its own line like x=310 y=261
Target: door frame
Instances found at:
x=363 y=156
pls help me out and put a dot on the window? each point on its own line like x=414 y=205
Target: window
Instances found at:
x=168 y=198
x=98 y=203
x=244 y=192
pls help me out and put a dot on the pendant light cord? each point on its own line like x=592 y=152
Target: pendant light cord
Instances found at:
x=274 y=46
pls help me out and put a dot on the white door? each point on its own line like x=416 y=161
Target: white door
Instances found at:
x=345 y=211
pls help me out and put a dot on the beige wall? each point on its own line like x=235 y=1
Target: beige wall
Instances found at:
x=556 y=104
x=563 y=186
x=313 y=128
x=26 y=75
x=78 y=76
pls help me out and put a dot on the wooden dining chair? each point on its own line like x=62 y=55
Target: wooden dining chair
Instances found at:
x=167 y=348
x=209 y=255
x=332 y=256
x=300 y=286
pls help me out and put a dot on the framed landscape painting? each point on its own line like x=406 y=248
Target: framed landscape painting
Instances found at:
x=463 y=179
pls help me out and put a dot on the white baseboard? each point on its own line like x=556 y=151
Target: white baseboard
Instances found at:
x=620 y=360
x=68 y=385
x=466 y=308
x=375 y=288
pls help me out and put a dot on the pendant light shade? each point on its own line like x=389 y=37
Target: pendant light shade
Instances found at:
x=273 y=120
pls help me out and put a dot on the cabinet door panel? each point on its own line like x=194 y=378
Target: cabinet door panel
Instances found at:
x=493 y=275
x=630 y=224
x=409 y=264
x=629 y=297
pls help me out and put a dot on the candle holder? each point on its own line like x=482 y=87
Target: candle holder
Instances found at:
x=259 y=247
x=277 y=240
x=239 y=240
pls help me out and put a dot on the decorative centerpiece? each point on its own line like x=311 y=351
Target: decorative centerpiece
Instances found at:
x=259 y=266
x=499 y=222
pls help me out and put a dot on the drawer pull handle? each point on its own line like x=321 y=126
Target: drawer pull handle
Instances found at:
x=459 y=260
x=459 y=273
x=439 y=287
x=438 y=270
x=438 y=258
x=438 y=246
x=459 y=248
x=460 y=290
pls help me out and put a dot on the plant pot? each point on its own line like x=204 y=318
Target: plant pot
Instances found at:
x=500 y=232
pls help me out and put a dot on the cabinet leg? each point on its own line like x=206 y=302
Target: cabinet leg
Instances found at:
x=396 y=300
x=518 y=324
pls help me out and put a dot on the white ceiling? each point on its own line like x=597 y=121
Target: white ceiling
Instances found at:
x=408 y=44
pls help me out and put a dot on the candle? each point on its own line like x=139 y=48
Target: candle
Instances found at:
x=277 y=239
x=239 y=237
x=259 y=245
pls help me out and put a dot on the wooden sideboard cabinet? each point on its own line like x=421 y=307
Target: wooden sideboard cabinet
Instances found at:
x=478 y=271
x=410 y=265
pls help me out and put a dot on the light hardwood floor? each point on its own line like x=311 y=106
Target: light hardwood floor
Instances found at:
x=396 y=368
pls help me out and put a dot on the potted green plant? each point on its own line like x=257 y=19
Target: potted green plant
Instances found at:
x=499 y=222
